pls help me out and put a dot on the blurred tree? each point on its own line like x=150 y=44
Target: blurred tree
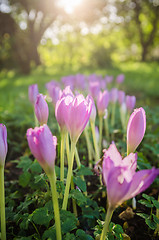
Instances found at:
x=30 y=18
x=140 y=21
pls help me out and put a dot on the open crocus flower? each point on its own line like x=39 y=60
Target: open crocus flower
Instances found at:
x=120 y=178
x=136 y=129
x=3 y=144
x=43 y=146
x=41 y=109
x=77 y=114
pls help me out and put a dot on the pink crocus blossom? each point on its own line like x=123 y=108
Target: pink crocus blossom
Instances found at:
x=136 y=129
x=130 y=102
x=113 y=95
x=61 y=109
x=121 y=97
x=120 y=78
x=3 y=144
x=43 y=146
x=93 y=112
x=41 y=109
x=102 y=102
x=121 y=179
x=33 y=92
x=94 y=88
x=77 y=114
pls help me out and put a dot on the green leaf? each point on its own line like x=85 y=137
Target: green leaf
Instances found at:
x=60 y=187
x=81 y=235
x=85 y=171
x=80 y=183
x=156 y=203
x=68 y=221
x=143 y=215
x=70 y=236
x=146 y=203
x=49 y=234
x=41 y=216
x=24 y=163
x=78 y=196
x=35 y=167
x=155 y=218
x=24 y=179
x=149 y=198
x=151 y=224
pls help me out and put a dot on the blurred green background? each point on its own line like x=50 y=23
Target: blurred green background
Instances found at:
x=44 y=40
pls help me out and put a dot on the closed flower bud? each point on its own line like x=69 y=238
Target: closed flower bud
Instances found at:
x=41 y=109
x=33 y=92
x=3 y=144
x=43 y=146
x=135 y=129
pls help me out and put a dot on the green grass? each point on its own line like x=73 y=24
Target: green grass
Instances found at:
x=142 y=80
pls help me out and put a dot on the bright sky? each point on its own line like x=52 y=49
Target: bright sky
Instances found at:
x=69 y=5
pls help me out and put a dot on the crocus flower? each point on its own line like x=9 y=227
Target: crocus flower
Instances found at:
x=102 y=102
x=136 y=129
x=77 y=114
x=43 y=146
x=120 y=178
x=120 y=78
x=121 y=97
x=69 y=81
x=3 y=144
x=61 y=110
x=108 y=79
x=41 y=109
x=66 y=91
x=113 y=95
x=80 y=82
x=55 y=94
x=33 y=92
x=93 y=112
x=94 y=88
x=130 y=102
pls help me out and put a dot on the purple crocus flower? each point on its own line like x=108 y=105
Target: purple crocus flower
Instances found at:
x=136 y=129
x=120 y=78
x=41 y=109
x=3 y=144
x=77 y=114
x=94 y=88
x=43 y=146
x=108 y=79
x=121 y=97
x=102 y=102
x=93 y=112
x=113 y=95
x=121 y=179
x=33 y=92
x=130 y=102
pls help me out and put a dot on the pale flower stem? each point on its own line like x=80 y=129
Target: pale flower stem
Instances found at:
x=89 y=147
x=2 y=204
x=62 y=156
x=106 y=223
x=113 y=115
x=106 y=128
x=77 y=158
x=95 y=142
x=67 y=147
x=35 y=119
x=69 y=174
x=100 y=132
x=52 y=179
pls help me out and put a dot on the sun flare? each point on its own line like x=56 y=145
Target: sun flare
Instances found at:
x=69 y=5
